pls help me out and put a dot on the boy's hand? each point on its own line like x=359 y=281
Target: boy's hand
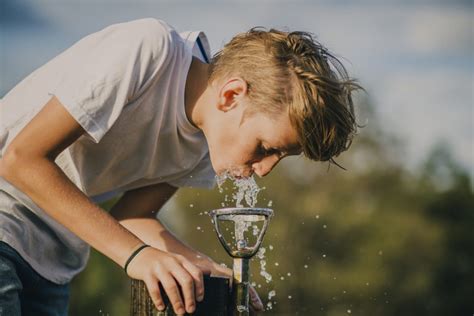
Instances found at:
x=156 y=267
x=204 y=262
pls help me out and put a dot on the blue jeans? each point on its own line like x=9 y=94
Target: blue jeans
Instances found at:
x=25 y=292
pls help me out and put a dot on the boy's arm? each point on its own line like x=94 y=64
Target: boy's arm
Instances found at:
x=137 y=209
x=28 y=164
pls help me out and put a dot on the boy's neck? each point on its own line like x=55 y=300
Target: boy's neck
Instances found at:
x=194 y=95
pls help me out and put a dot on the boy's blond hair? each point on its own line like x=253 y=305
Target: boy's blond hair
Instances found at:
x=291 y=71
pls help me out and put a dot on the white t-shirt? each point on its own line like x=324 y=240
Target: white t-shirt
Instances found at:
x=125 y=86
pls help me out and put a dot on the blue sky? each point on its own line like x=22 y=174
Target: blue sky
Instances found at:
x=414 y=57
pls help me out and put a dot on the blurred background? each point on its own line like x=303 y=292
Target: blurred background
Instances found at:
x=392 y=235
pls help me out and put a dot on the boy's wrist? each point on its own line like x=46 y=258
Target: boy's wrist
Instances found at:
x=133 y=255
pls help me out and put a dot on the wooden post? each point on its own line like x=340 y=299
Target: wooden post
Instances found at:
x=216 y=299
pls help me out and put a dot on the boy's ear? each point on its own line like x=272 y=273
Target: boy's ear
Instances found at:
x=231 y=94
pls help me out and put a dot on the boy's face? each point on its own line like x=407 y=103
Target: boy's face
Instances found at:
x=254 y=144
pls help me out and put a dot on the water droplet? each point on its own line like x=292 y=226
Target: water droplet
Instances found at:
x=255 y=230
x=271 y=294
x=282 y=278
x=270 y=247
x=289 y=297
x=191 y=205
x=325 y=226
x=324 y=256
x=198 y=228
x=349 y=311
x=277 y=264
x=288 y=274
x=242 y=308
x=266 y=275
x=306 y=266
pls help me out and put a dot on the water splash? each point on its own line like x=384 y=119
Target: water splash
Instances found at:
x=263 y=264
x=255 y=230
x=242 y=308
x=246 y=189
x=246 y=192
x=269 y=306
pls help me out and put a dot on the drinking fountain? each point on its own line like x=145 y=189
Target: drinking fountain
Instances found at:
x=240 y=231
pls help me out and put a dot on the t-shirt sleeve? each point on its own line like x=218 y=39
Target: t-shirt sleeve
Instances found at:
x=202 y=176
x=104 y=71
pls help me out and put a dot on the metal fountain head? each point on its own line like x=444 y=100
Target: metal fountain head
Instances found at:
x=241 y=216
x=240 y=250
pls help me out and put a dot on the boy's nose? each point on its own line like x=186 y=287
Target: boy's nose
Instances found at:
x=264 y=166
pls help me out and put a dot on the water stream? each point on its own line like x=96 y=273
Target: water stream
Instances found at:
x=245 y=192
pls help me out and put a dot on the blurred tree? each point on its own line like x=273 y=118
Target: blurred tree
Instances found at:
x=453 y=208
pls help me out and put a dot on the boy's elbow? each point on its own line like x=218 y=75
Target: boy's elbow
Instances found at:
x=11 y=163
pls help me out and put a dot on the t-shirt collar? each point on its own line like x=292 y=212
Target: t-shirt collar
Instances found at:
x=197 y=43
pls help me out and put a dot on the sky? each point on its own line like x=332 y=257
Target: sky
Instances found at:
x=415 y=58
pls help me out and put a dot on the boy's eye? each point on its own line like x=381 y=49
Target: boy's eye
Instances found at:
x=267 y=151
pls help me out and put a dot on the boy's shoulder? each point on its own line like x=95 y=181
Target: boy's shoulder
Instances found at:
x=157 y=36
x=145 y=26
x=148 y=37
x=144 y=29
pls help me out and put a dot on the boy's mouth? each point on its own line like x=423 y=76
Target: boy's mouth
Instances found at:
x=233 y=173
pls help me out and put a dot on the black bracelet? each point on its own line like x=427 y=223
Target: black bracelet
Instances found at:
x=133 y=255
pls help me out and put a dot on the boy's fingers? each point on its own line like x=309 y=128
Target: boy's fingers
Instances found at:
x=198 y=278
x=255 y=300
x=186 y=282
x=171 y=289
x=257 y=305
x=155 y=294
x=222 y=271
x=204 y=269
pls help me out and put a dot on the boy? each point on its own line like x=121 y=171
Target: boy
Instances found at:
x=139 y=109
